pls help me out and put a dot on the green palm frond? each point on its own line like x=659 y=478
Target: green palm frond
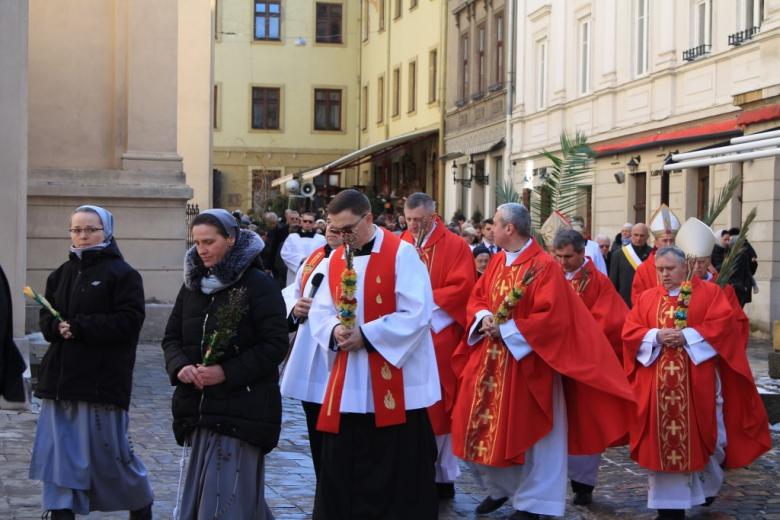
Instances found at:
x=724 y=197
x=730 y=262
x=506 y=193
x=569 y=171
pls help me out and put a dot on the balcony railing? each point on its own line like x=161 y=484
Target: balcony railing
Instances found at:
x=695 y=52
x=738 y=38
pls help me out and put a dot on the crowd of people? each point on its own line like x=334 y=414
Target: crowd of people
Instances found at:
x=413 y=346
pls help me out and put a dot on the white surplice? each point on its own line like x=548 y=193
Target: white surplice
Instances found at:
x=296 y=249
x=306 y=372
x=403 y=338
x=685 y=490
x=539 y=485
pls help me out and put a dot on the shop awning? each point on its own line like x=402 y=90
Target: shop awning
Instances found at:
x=485 y=147
x=378 y=149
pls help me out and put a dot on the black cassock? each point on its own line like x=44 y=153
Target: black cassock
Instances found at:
x=621 y=272
x=361 y=465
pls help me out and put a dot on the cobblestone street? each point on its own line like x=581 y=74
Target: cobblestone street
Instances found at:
x=748 y=493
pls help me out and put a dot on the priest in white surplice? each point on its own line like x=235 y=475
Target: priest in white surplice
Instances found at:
x=378 y=448
x=306 y=372
x=298 y=246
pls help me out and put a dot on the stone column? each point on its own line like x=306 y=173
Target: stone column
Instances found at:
x=13 y=155
x=152 y=70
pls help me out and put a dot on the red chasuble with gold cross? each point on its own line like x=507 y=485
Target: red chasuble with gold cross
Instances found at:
x=503 y=406
x=451 y=267
x=604 y=302
x=675 y=429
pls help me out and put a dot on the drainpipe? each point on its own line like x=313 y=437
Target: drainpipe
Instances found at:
x=510 y=88
x=360 y=92
x=388 y=72
x=441 y=97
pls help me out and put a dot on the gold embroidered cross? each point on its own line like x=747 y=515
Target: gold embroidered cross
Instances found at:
x=670 y=313
x=486 y=416
x=672 y=398
x=481 y=449
x=490 y=384
x=493 y=351
x=674 y=457
x=672 y=368
x=674 y=427
x=503 y=287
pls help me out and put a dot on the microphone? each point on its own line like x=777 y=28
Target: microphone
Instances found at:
x=315 y=285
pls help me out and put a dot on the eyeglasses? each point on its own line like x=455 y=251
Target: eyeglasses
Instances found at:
x=347 y=230
x=86 y=230
x=307 y=221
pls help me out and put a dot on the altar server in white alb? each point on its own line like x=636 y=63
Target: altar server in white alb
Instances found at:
x=373 y=322
x=306 y=372
x=298 y=246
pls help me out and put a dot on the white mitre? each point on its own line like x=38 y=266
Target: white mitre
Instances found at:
x=695 y=238
x=664 y=222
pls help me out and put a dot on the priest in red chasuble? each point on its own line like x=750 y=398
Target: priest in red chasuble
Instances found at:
x=449 y=262
x=537 y=378
x=664 y=226
x=698 y=409
x=609 y=310
x=372 y=320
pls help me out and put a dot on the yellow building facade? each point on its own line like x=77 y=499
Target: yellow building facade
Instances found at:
x=286 y=89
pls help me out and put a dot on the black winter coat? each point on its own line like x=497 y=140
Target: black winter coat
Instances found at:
x=102 y=298
x=247 y=405
x=12 y=364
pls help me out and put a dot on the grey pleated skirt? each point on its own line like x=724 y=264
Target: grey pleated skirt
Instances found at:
x=83 y=456
x=225 y=480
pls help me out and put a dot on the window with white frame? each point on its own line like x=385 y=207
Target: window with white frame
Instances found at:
x=640 y=36
x=584 y=55
x=702 y=22
x=750 y=13
x=541 y=74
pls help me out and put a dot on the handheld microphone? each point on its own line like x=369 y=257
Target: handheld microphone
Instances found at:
x=315 y=285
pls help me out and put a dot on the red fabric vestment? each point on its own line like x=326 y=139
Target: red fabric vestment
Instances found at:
x=451 y=266
x=645 y=278
x=503 y=406
x=311 y=263
x=675 y=429
x=604 y=302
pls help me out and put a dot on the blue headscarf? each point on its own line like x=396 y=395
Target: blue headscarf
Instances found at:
x=228 y=221
x=106 y=219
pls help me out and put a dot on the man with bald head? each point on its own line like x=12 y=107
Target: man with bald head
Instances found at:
x=624 y=262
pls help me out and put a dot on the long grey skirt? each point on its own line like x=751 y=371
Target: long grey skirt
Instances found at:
x=82 y=454
x=225 y=480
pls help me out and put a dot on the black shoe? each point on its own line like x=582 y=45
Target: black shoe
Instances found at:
x=145 y=513
x=671 y=514
x=489 y=505
x=582 y=498
x=60 y=514
x=524 y=515
x=445 y=490
x=708 y=501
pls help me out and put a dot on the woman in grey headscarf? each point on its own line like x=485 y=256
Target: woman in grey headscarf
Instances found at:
x=82 y=452
x=223 y=344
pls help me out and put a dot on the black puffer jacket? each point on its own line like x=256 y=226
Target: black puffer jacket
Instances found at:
x=102 y=298
x=248 y=404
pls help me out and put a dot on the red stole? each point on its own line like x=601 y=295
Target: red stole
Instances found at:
x=310 y=265
x=451 y=268
x=387 y=382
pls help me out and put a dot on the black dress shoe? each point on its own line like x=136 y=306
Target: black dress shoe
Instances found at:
x=671 y=514
x=583 y=498
x=445 y=490
x=145 y=513
x=489 y=505
x=61 y=514
x=708 y=501
x=524 y=515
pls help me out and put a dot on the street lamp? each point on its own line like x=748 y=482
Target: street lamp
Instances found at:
x=633 y=163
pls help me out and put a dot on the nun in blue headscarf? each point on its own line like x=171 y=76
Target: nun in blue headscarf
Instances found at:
x=82 y=452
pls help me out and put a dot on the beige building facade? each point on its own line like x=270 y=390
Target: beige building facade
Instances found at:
x=475 y=124
x=286 y=95
x=645 y=79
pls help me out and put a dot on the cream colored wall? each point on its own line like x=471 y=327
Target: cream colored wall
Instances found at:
x=241 y=62
x=194 y=96
x=411 y=36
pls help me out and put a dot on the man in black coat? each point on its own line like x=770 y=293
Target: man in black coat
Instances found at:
x=12 y=364
x=746 y=266
x=624 y=261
